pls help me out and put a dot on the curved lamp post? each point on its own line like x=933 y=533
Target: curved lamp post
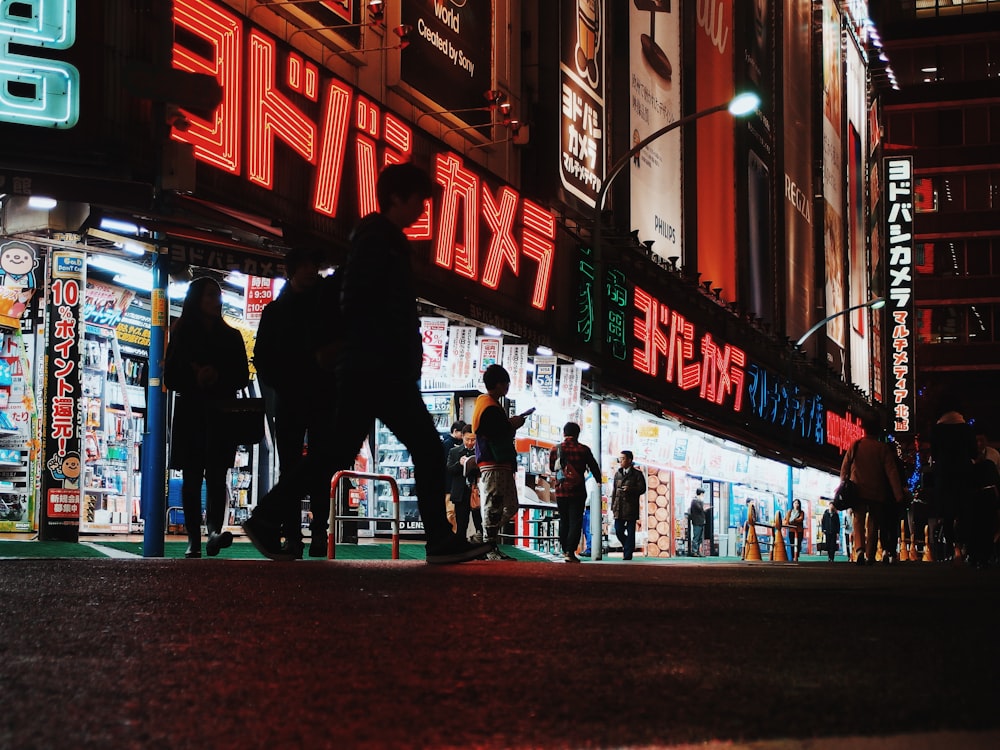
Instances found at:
x=739 y=106
x=874 y=304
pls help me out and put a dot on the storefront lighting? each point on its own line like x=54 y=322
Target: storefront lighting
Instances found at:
x=544 y=351
x=119 y=226
x=178 y=289
x=133 y=248
x=143 y=281
x=114 y=265
x=237 y=279
x=489 y=331
x=41 y=203
x=581 y=365
x=279 y=284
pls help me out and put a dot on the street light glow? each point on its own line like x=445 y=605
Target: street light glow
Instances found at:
x=744 y=104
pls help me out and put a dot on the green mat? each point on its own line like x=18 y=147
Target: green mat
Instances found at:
x=34 y=548
x=239 y=550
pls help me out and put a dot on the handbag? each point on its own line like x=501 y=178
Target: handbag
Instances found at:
x=238 y=421
x=846 y=496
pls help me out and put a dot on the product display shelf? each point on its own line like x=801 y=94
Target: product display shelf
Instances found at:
x=17 y=428
x=392 y=458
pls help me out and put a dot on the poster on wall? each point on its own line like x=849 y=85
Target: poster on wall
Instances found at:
x=655 y=101
x=859 y=291
x=61 y=436
x=834 y=243
x=582 y=150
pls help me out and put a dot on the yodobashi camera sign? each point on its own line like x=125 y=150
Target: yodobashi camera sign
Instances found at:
x=899 y=294
x=450 y=55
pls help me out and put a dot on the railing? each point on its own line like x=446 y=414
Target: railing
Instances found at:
x=331 y=544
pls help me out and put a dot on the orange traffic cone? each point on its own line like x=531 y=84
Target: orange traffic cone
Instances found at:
x=778 y=553
x=751 y=546
x=904 y=542
x=928 y=552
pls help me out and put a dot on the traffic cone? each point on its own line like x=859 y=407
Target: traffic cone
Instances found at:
x=904 y=542
x=928 y=551
x=751 y=545
x=778 y=553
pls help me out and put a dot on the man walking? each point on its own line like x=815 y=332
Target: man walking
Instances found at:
x=627 y=489
x=831 y=530
x=570 y=460
x=377 y=368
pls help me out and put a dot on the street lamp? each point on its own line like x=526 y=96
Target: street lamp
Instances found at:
x=874 y=304
x=738 y=106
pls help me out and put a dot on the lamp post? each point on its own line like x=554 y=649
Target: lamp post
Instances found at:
x=738 y=106
x=874 y=304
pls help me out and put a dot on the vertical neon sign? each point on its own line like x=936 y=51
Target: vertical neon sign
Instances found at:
x=37 y=91
x=899 y=238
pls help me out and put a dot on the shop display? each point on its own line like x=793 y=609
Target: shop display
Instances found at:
x=392 y=458
x=17 y=425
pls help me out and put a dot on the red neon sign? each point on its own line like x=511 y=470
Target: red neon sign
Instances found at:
x=666 y=336
x=349 y=126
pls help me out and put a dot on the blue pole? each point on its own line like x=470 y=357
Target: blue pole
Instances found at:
x=153 y=491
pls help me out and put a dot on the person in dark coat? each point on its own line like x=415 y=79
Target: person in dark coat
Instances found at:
x=831 y=531
x=574 y=459
x=206 y=361
x=627 y=489
x=463 y=473
x=953 y=452
x=285 y=357
x=377 y=368
x=697 y=518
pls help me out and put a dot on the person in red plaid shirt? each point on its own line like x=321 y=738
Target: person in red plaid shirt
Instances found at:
x=569 y=461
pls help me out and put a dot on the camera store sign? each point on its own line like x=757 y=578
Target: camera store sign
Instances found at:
x=269 y=94
x=899 y=295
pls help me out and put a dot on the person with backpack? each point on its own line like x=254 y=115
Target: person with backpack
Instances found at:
x=570 y=460
x=871 y=465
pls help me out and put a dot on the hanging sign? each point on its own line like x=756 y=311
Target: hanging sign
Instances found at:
x=899 y=294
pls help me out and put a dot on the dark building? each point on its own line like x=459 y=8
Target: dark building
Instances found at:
x=944 y=111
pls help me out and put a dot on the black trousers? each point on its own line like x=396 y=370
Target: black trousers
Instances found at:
x=295 y=423
x=570 y=521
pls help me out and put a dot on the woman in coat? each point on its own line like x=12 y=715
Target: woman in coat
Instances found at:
x=206 y=362
x=795 y=520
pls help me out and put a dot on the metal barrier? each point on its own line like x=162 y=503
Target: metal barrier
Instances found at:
x=331 y=543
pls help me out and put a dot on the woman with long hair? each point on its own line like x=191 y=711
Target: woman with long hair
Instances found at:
x=206 y=362
x=795 y=520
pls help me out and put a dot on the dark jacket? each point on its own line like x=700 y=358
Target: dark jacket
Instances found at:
x=494 y=434
x=291 y=329
x=627 y=488
x=831 y=522
x=696 y=511
x=460 y=477
x=378 y=305
x=572 y=453
x=191 y=443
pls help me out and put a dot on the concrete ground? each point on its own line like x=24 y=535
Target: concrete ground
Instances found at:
x=220 y=653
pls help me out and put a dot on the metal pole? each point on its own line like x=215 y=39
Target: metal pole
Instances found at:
x=596 y=516
x=873 y=303
x=153 y=490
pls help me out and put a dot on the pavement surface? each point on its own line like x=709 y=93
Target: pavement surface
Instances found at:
x=235 y=653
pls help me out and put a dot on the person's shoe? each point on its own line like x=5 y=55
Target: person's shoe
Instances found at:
x=455 y=550
x=571 y=558
x=218 y=541
x=585 y=553
x=294 y=549
x=318 y=545
x=192 y=553
x=477 y=538
x=860 y=559
x=266 y=539
x=497 y=554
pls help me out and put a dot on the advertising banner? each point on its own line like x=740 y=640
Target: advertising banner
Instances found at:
x=260 y=291
x=61 y=437
x=797 y=106
x=582 y=146
x=900 y=306
x=859 y=286
x=515 y=362
x=655 y=62
x=450 y=55
x=834 y=244
x=544 y=380
x=434 y=333
x=714 y=44
x=461 y=352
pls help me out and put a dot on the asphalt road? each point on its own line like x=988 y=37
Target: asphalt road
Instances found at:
x=238 y=653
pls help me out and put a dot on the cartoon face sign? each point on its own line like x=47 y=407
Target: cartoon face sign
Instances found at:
x=66 y=467
x=17 y=264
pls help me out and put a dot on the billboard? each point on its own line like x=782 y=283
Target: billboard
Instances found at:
x=582 y=145
x=714 y=43
x=899 y=310
x=655 y=101
x=450 y=55
x=859 y=283
x=834 y=242
x=797 y=135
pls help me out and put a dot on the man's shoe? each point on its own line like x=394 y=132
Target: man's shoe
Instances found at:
x=295 y=549
x=318 y=545
x=455 y=550
x=218 y=541
x=266 y=539
x=496 y=554
x=571 y=558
